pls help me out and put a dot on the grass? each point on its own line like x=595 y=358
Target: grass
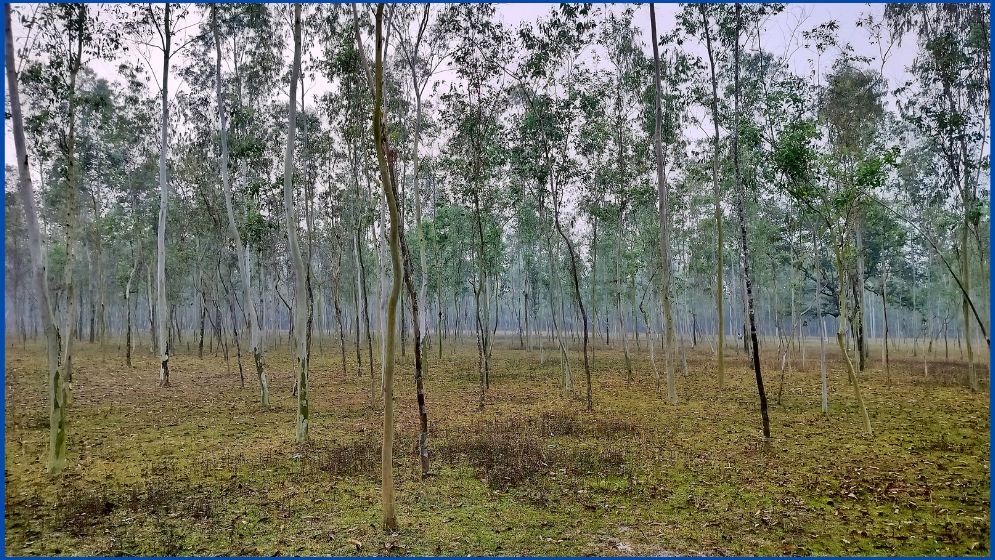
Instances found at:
x=200 y=468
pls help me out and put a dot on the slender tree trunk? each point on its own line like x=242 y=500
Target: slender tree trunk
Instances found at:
x=841 y=336
x=477 y=291
x=366 y=318
x=57 y=390
x=822 y=324
x=720 y=345
x=128 y=346
x=580 y=303
x=380 y=140
x=162 y=314
x=337 y=286
x=301 y=296
x=355 y=297
x=620 y=312
x=663 y=194
x=741 y=210
x=965 y=272
x=242 y=253
x=884 y=309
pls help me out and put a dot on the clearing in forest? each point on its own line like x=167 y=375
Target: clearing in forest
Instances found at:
x=200 y=468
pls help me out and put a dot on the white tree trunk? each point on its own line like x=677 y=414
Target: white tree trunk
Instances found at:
x=57 y=391
x=162 y=311
x=243 y=253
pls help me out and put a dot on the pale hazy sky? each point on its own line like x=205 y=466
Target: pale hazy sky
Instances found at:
x=781 y=35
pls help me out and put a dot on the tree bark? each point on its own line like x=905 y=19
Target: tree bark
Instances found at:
x=720 y=345
x=293 y=244
x=741 y=210
x=57 y=389
x=380 y=141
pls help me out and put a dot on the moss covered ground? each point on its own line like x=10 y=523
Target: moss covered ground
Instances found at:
x=200 y=468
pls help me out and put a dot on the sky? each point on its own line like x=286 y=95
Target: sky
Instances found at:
x=781 y=35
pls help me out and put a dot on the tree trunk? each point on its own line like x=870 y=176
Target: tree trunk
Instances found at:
x=57 y=390
x=858 y=295
x=965 y=272
x=481 y=328
x=841 y=334
x=720 y=345
x=822 y=324
x=162 y=315
x=293 y=244
x=884 y=309
x=663 y=194
x=128 y=347
x=380 y=141
x=741 y=210
x=249 y=308
x=580 y=303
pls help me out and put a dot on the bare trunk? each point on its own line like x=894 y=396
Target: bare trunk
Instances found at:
x=720 y=326
x=293 y=244
x=841 y=336
x=248 y=301
x=741 y=210
x=380 y=141
x=162 y=322
x=884 y=309
x=57 y=390
x=663 y=194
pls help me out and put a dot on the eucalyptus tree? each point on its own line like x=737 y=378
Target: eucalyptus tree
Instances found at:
x=422 y=55
x=948 y=100
x=347 y=113
x=625 y=81
x=421 y=69
x=553 y=47
x=479 y=50
x=291 y=222
x=670 y=110
x=384 y=151
x=57 y=390
x=244 y=262
x=132 y=152
x=740 y=210
x=836 y=188
x=884 y=244
x=702 y=22
x=18 y=268
x=164 y=21
x=527 y=159
x=67 y=37
x=663 y=189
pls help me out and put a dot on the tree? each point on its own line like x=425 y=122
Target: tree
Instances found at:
x=293 y=244
x=557 y=43
x=380 y=140
x=421 y=69
x=740 y=210
x=950 y=103
x=852 y=172
x=164 y=20
x=719 y=272
x=57 y=387
x=472 y=105
x=663 y=190
x=249 y=298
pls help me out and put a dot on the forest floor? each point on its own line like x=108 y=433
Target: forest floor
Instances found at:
x=200 y=468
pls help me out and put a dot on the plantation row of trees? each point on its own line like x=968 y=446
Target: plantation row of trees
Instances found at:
x=351 y=178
